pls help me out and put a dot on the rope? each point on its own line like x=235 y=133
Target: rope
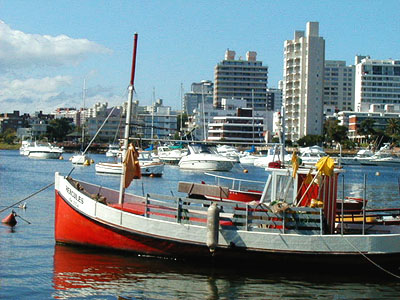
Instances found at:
x=371 y=261
x=26 y=198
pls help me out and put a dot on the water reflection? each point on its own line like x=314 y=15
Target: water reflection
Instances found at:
x=95 y=274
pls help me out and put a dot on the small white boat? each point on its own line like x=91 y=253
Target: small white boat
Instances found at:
x=113 y=151
x=385 y=157
x=311 y=155
x=170 y=156
x=44 y=151
x=146 y=168
x=80 y=159
x=229 y=151
x=363 y=157
x=24 y=147
x=247 y=158
x=206 y=158
x=273 y=156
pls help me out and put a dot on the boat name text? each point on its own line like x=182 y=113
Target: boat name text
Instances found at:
x=74 y=195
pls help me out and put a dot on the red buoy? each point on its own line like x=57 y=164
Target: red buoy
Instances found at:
x=10 y=219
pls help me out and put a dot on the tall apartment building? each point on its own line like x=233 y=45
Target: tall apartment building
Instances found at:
x=274 y=99
x=338 y=86
x=377 y=82
x=303 y=73
x=200 y=91
x=241 y=79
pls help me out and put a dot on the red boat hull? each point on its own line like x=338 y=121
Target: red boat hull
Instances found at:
x=72 y=227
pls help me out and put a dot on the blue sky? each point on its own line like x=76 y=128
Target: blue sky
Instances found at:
x=47 y=48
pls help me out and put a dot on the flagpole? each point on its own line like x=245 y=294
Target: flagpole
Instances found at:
x=128 y=121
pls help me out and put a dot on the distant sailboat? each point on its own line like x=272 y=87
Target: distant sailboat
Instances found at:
x=82 y=158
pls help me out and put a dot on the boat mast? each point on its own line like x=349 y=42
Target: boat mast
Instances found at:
x=128 y=121
x=83 y=120
x=283 y=133
x=152 y=113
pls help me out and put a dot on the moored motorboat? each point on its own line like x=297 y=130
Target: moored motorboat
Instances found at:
x=384 y=157
x=229 y=151
x=247 y=158
x=311 y=155
x=44 y=151
x=24 y=149
x=204 y=157
x=273 y=156
x=170 y=155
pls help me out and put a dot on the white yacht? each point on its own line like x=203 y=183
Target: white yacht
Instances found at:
x=384 y=157
x=229 y=151
x=311 y=155
x=273 y=155
x=206 y=158
x=247 y=158
x=362 y=157
x=24 y=147
x=44 y=151
x=170 y=155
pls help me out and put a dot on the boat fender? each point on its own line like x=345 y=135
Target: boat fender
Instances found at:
x=10 y=219
x=212 y=226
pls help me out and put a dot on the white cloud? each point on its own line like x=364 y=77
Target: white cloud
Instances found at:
x=48 y=93
x=32 y=94
x=19 y=49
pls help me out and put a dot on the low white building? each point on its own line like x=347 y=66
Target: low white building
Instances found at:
x=376 y=82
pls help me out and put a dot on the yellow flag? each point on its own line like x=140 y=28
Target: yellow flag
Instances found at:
x=295 y=163
x=325 y=165
x=308 y=178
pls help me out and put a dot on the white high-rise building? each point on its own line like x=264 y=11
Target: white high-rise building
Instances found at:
x=377 y=83
x=241 y=79
x=338 y=86
x=303 y=73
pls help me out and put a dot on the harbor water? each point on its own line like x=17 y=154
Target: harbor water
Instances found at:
x=32 y=266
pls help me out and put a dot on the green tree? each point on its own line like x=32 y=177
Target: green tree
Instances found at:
x=58 y=129
x=393 y=129
x=366 y=128
x=335 y=132
x=9 y=136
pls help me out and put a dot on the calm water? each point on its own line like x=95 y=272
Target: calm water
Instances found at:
x=33 y=267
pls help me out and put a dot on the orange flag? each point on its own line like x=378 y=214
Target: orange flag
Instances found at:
x=132 y=167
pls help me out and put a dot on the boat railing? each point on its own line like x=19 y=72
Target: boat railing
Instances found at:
x=368 y=221
x=238 y=216
x=236 y=183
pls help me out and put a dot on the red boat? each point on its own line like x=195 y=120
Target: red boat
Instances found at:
x=294 y=220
